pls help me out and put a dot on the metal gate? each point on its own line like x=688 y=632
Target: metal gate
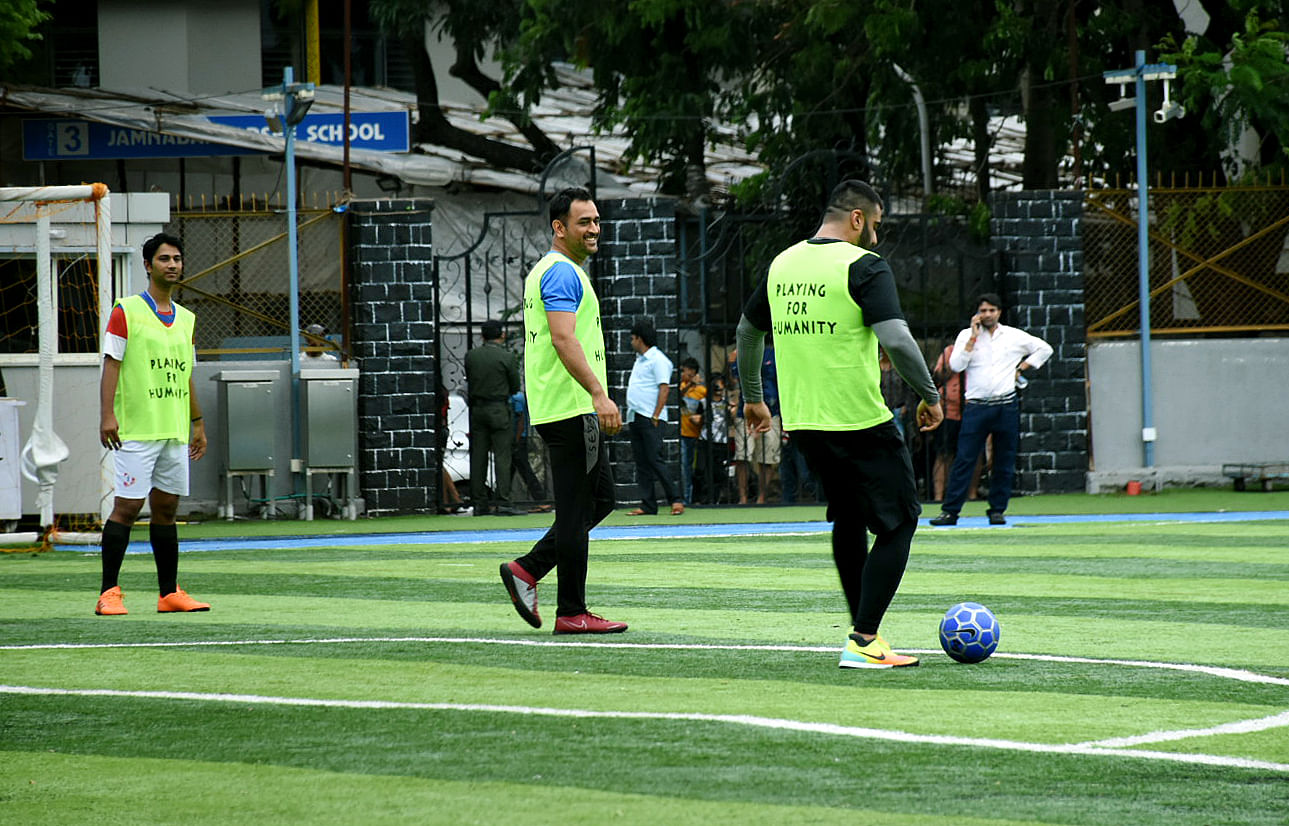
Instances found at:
x=485 y=280
x=1219 y=261
x=938 y=268
x=238 y=281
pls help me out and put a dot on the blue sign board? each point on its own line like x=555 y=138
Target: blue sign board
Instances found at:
x=67 y=139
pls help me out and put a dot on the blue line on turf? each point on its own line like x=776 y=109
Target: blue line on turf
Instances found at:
x=663 y=531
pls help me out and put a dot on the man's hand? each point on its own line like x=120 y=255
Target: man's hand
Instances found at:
x=608 y=413
x=758 y=416
x=109 y=432
x=197 y=443
x=929 y=416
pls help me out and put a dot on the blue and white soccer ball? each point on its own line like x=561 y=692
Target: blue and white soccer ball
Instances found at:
x=969 y=632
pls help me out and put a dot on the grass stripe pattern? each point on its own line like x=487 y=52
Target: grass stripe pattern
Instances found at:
x=1142 y=678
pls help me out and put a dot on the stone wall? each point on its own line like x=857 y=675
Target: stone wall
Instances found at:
x=392 y=299
x=635 y=276
x=1038 y=237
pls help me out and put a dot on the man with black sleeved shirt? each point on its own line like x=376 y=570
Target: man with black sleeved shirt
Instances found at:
x=830 y=301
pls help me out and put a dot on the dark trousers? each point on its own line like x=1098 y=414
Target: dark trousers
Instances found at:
x=979 y=422
x=520 y=465
x=794 y=474
x=867 y=477
x=583 y=485
x=646 y=445
x=491 y=432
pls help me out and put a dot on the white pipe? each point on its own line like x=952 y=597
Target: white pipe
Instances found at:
x=923 y=126
x=47 y=315
x=53 y=193
x=103 y=218
x=20 y=538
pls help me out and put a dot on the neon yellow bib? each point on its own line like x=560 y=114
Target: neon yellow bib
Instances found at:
x=152 y=394
x=553 y=394
x=826 y=358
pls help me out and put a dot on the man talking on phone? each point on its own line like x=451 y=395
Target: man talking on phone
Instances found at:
x=995 y=358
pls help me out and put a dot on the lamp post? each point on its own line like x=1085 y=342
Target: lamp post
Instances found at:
x=1138 y=75
x=295 y=98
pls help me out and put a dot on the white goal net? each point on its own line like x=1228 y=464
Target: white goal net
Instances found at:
x=44 y=451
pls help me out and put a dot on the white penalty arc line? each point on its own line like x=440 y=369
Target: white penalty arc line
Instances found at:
x=1237 y=674
x=1238 y=727
x=772 y=723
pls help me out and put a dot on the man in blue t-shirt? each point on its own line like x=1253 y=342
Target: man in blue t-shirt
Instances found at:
x=647 y=392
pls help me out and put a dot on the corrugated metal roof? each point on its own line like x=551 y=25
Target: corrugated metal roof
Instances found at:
x=564 y=114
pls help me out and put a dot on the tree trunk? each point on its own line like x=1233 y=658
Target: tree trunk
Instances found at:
x=434 y=127
x=982 y=144
x=1044 y=145
x=467 y=70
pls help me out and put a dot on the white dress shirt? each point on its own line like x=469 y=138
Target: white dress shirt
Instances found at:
x=991 y=364
x=651 y=370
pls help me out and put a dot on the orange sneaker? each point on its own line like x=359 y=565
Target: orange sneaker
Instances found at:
x=179 y=601
x=110 y=604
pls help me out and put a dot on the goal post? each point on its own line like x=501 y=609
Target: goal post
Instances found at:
x=44 y=451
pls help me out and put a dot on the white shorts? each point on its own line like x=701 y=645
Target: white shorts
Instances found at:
x=142 y=466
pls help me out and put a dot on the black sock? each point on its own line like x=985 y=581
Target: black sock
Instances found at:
x=116 y=538
x=165 y=552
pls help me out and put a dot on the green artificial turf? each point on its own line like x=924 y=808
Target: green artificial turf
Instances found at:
x=723 y=703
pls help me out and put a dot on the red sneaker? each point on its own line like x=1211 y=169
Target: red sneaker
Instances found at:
x=587 y=623
x=523 y=592
x=178 y=602
x=110 y=604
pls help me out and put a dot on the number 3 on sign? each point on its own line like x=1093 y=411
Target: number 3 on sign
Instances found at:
x=73 y=138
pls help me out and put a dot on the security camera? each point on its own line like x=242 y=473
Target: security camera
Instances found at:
x=273 y=116
x=1171 y=109
x=1121 y=104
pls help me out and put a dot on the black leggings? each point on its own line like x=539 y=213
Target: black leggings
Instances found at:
x=583 y=485
x=867 y=476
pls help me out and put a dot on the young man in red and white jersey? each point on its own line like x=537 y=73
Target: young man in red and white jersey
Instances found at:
x=150 y=417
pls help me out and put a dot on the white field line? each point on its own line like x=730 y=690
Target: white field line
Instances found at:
x=730 y=719
x=1238 y=727
x=1240 y=675
x=1115 y=744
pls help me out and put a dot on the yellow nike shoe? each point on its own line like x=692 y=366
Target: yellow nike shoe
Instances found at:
x=876 y=654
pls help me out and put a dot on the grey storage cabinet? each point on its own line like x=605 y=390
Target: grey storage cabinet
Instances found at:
x=329 y=419
x=247 y=429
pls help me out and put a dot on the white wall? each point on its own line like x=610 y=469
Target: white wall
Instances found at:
x=1215 y=401
x=180 y=45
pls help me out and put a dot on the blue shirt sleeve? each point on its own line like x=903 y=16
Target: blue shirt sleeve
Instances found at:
x=561 y=288
x=770 y=381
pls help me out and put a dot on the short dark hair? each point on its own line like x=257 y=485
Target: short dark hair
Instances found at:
x=563 y=201
x=853 y=194
x=154 y=243
x=690 y=362
x=989 y=298
x=491 y=330
x=643 y=330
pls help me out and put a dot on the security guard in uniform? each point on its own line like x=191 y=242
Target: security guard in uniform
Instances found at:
x=492 y=374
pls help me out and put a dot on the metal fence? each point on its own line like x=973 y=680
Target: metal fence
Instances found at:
x=237 y=280
x=1219 y=261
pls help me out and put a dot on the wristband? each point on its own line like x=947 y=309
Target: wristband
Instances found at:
x=199 y=418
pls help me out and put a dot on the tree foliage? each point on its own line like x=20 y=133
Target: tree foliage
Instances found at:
x=825 y=88
x=1243 y=87
x=19 y=21
x=659 y=67
x=475 y=29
